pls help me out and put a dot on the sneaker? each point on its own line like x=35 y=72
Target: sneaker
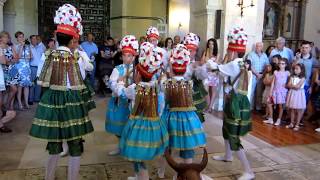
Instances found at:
x=246 y=176
x=278 y=122
x=317 y=130
x=222 y=158
x=133 y=178
x=64 y=153
x=290 y=126
x=160 y=173
x=4 y=129
x=114 y=152
x=269 y=121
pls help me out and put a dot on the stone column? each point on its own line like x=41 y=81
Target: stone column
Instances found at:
x=1 y=14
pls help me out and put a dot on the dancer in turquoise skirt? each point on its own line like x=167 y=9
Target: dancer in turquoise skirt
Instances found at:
x=144 y=137
x=184 y=126
x=118 y=109
x=62 y=115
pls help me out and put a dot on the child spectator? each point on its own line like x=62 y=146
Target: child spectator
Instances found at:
x=267 y=80
x=278 y=90
x=296 y=100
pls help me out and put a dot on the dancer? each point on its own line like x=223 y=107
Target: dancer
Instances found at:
x=237 y=120
x=194 y=72
x=88 y=93
x=184 y=126
x=144 y=137
x=118 y=110
x=62 y=114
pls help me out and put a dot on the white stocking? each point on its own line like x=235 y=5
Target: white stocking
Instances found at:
x=162 y=167
x=228 y=154
x=51 y=167
x=73 y=167
x=143 y=174
x=244 y=161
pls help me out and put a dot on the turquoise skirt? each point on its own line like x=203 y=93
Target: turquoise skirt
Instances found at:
x=185 y=130
x=117 y=115
x=143 y=139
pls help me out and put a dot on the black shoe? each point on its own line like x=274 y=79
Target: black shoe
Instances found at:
x=4 y=129
x=30 y=103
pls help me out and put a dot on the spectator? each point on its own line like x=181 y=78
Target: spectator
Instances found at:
x=3 y=61
x=176 y=40
x=283 y=51
x=11 y=75
x=40 y=43
x=168 y=45
x=24 y=54
x=105 y=65
x=212 y=81
x=51 y=44
x=117 y=58
x=275 y=62
x=315 y=97
x=306 y=58
x=92 y=50
x=269 y=49
x=259 y=60
x=37 y=51
x=142 y=39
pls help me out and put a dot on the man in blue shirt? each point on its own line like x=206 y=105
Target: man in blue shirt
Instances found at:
x=283 y=51
x=92 y=50
x=306 y=58
x=259 y=60
x=37 y=50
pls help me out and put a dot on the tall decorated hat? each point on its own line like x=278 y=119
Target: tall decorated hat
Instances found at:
x=237 y=39
x=68 y=20
x=191 y=41
x=150 y=60
x=129 y=44
x=153 y=32
x=179 y=59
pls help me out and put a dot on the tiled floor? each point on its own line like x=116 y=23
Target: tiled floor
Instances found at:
x=23 y=158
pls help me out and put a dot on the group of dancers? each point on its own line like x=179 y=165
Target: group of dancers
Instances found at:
x=156 y=104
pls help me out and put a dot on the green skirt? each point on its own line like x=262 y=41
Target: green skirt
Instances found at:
x=199 y=101
x=87 y=95
x=61 y=116
x=236 y=120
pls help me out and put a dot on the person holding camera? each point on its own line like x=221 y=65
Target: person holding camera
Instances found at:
x=23 y=66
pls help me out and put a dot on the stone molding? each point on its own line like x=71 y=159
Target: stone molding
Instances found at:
x=2 y=2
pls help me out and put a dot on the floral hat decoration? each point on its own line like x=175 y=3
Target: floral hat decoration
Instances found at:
x=238 y=39
x=153 y=32
x=129 y=44
x=150 y=60
x=68 y=20
x=191 y=41
x=180 y=59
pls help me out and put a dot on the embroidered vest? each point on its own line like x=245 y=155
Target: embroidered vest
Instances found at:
x=61 y=67
x=146 y=102
x=179 y=95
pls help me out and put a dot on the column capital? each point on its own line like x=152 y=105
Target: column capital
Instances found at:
x=2 y=2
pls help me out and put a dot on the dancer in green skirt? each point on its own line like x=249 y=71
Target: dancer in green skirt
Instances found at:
x=62 y=114
x=237 y=115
